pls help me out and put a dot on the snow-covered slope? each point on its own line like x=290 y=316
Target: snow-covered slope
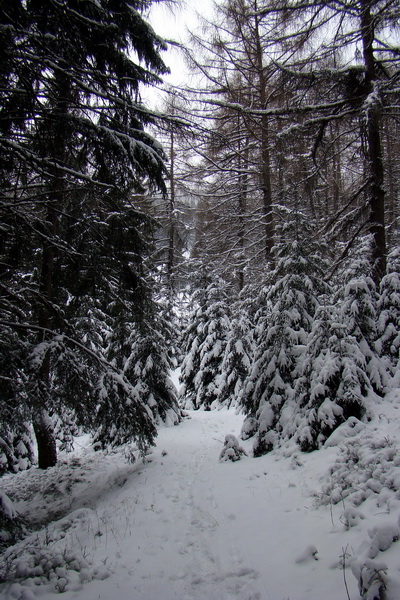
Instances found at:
x=184 y=526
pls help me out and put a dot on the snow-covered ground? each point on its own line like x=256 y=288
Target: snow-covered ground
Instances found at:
x=184 y=526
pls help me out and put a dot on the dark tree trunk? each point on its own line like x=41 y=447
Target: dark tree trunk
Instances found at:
x=374 y=153
x=46 y=443
x=265 y=154
x=42 y=426
x=171 y=209
x=55 y=140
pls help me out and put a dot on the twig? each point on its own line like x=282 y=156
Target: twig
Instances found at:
x=344 y=572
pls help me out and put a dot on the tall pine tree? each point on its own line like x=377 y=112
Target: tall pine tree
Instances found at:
x=75 y=155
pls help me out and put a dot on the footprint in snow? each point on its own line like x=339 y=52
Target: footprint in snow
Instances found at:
x=203 y=520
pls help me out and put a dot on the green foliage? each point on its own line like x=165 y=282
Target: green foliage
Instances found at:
x=12 y=526
x=283 y=329
x=74 y=234
x=388 y=342
x=204 y=343
x=333 y=385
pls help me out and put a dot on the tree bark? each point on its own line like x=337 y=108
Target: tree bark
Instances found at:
x=55 y=140
x=265 y=154
x=374 y=152
x=45 y=439
x=171 y=216
x=242 y=200
x=42 y=426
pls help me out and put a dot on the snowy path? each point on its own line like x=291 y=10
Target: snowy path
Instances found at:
x=179 y=544
x=186 y=527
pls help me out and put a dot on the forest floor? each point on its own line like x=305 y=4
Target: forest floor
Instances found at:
x=184 y=526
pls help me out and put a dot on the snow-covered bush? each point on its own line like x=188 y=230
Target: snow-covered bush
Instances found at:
x=388 y=343
x=365 y=467
x=382 y=537
x=352 y=517
x=372 y=579
x=52 y=559
x=11 y=525
x=232 y=449
x=365 y=481
x=16 y=447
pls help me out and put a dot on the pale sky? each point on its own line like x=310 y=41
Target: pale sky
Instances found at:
x=173 y=23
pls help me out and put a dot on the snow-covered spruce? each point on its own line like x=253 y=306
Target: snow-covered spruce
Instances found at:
x=236 y=362
x=82 y=139
x=120 y=415
x=285 y=323
x=388 y=326
x=358 y=311
x=232 y=449
x=333 y=383
x=139 y=349
x=16 y=444
x=204 y=343
x=150 y=366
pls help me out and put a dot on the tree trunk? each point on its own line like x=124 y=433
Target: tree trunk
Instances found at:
x=242 y=200
x=42 y=426
x=265 y=154
x=374 y=152
x=46 y=443
x=55 y=141
x=171 y=217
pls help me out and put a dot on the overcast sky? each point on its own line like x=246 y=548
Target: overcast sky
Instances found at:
x=173 y=23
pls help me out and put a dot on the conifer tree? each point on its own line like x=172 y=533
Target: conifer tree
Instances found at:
x=269 y=396
x=75 y=156
x=16 y=444
x=333 y=385
x=140 y=348
x=211 y=352
x=388 y=311
x=236 y=363
x=358 y=311
x=204 y=343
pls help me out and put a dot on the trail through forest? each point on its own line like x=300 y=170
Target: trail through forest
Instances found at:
x=225 y=531
x=185 y=526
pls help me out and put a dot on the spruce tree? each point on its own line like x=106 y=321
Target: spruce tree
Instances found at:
x=358 y=311
x=269 y=395
x=333 y=385
x=236 y=362
x=212 y=350
x=76 y=157
x=204 y=343
x=388 y=312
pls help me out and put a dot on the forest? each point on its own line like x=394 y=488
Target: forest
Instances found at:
x=245 y=231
